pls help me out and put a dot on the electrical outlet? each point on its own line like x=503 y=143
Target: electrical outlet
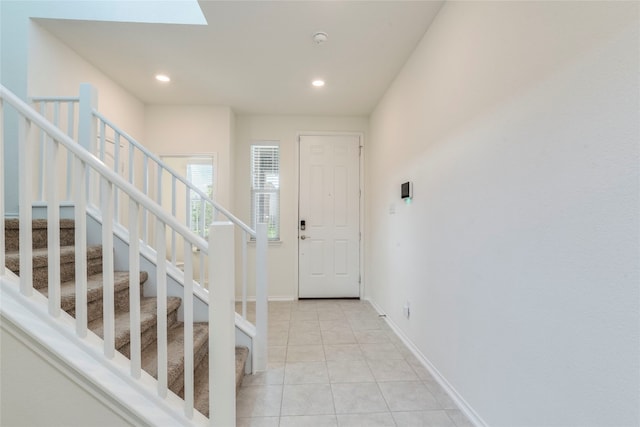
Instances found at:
x=406 y=310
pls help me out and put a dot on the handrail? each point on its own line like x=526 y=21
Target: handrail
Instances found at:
x=54 y=99
x=24 y=109
x=175 y=174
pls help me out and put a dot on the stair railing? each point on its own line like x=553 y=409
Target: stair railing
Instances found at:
x=90 y=172
x=96 y=132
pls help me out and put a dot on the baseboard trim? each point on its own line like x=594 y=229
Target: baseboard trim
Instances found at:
x=273 y=298
x=462 y=404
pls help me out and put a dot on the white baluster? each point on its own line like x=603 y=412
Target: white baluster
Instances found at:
x=245 y=239
x=80 y=213
x=188 y=330
x=173 y=212
x=134 y=290
x=222 y=382
x=260 y=343
x=53 y=225
x=2 y=178
x=159 y=184
x=131 y=162
x=25 y=162
x=116 y=169
x=108 y=269
x=42 y=156
x=161 y=283
x=70 y=162
x=145 y=189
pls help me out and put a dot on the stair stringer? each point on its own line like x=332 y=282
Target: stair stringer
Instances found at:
x=83 y=361
x=245 y=332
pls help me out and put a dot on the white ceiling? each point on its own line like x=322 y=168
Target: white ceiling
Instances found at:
x=258 y=56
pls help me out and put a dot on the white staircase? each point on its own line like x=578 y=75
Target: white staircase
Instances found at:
x=135 y=234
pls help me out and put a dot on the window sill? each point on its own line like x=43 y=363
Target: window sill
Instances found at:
x=270 y=243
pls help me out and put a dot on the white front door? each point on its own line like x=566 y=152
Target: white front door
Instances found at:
x=329 y=245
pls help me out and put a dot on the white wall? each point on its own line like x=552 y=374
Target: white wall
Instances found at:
x=283 y=256
x=518 y=124
x=56 y=70
x=35 y=393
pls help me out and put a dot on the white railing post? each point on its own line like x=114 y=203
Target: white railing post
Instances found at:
x=222 y=382
x=262 y=309
x=25 y=168
x=88 y=132
x=2 y=171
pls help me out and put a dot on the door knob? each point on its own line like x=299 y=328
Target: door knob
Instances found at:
x=303 y=237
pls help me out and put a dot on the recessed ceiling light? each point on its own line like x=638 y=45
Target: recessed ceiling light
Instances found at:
x=318 y=83
x=163 y=78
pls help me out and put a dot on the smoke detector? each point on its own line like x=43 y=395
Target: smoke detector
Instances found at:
x=320 y=37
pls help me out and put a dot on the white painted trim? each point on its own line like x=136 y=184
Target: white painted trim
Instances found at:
x=462 y=404
x=271 y=298
x=361 y=218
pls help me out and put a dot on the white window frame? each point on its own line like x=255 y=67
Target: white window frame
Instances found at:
x=254 y=191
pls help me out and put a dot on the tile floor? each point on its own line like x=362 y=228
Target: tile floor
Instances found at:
x=336 y=363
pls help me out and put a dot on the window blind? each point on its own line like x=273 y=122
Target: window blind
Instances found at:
x=265 y=188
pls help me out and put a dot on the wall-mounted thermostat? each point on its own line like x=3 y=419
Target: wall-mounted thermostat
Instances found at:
x=406 y=190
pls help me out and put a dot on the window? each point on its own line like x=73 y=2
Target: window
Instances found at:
x=200 y=174
x=265 y=188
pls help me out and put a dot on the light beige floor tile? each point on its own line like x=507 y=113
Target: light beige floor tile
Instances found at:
x=297 y=316
x=330 y=325
x=278 y=325
x=381 y=419
x=349 y=371
x=305 y=353
x=277 y=353
x=408 y=396
x=331 y=315
x=307 y=399
x=365 y=324
x=343 y=352
x=306 y=373
x=459 y=418
x=309 y=421
x=278 y=338
x=259 y=401
x=258 y=422
x=336 y=336
x=380 y=351
x=280 y=316
x=305 y=326
x=371 y=337
x=423 y=419
x=357 y=398
x=304 y=337
x=441 y=395
x=274 y=375
x=304 y=306
x=392 y=370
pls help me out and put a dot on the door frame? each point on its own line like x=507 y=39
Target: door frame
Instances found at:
x=361 y=206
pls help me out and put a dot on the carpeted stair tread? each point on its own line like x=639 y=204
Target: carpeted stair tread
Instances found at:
x=94 y=288
x=148 y=319
x=14 y=223
x=41 y=257
x=39 y=233
x=202 y=379
x=175 y=353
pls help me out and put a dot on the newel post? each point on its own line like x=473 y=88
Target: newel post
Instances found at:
x=262 y=308
x=222 y=340
x=88 y=133
x=87 y=130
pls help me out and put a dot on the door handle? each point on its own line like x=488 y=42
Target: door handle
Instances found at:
x=303 y=237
